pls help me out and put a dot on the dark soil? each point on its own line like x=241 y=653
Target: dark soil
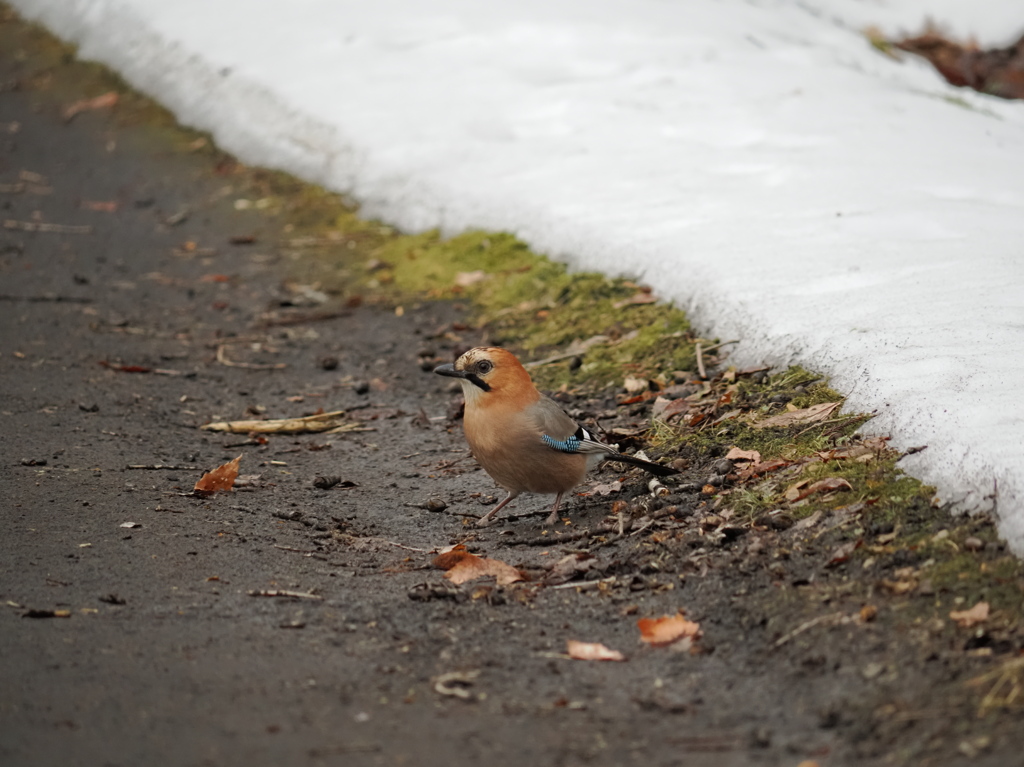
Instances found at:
x=139 y=624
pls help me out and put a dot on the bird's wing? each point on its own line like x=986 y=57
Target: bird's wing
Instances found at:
x=559 y=432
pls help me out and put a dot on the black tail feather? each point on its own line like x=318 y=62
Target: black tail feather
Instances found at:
x=654 y=468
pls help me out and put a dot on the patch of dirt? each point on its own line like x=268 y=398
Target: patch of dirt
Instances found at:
x=148 y=290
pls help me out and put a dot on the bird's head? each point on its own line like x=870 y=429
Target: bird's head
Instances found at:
x=488 y=373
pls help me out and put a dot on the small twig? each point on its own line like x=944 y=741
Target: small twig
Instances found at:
x=36 y=226
x=58 y=299
x=223 y=360
x=547 y=540
x=719 y=346
x=281 y=593
x=584 y=584
x=167 y=466
x=302 y=319
x=297 y=551
x=841 y=419
x=401 y=545
x=809 y=625
x=700 y=363
x=642 y=527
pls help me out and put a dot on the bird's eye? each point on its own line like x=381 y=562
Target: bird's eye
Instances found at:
x=484 y=367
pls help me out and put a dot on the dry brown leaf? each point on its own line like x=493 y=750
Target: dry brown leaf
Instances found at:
x=462 y=566
x=666 y=409
x=84 y=105
x=607 y=488
x=220 y=479
x=967 y=618
x=765 y=467
x=801 y=490
x=744 y=455
x=569 y=566
x=667 y=630
x=807 y=415
x=643 y=297
x=591 y=651
x=842 y=553
x=446 y=560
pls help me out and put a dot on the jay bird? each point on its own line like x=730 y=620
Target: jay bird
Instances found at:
x=525 y=441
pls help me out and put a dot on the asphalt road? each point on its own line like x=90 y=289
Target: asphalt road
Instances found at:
x=287 y=624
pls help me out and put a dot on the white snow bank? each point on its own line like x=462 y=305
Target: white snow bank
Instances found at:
x=757 y=162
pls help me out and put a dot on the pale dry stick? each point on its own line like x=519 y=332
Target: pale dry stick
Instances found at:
x=401 y=545
x=841 y=419
x=584 y=584
x=837 y=617
x=700 y=363
x=282 y=593
x=54 y=297
x=167 y=466
x=297 y=551
x=33 y=226
x=641 y=528
x=223 y=360
x=719 y=345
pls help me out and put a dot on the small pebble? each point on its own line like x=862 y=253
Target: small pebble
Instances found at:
x=974 y=544
x=329 y=363
x=715 y=480
x=361 y=387
x=722 y=466
x=325 y=483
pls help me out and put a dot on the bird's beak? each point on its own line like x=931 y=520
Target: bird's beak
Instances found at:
x=449 y=370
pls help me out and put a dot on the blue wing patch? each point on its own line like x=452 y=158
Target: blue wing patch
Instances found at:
x=567 y=445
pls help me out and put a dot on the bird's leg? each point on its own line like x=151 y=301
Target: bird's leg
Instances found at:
x=485 y=520
x=553 y=517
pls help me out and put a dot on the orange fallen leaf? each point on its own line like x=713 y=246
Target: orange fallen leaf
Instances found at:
x=215 y=278
x=591 y=651
x=462 y=566
x=811 y=414
x=967 y=618
x=743 y=455
x=84 y=105
x=446 y=560
x=220 y=479
x=667 y=630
